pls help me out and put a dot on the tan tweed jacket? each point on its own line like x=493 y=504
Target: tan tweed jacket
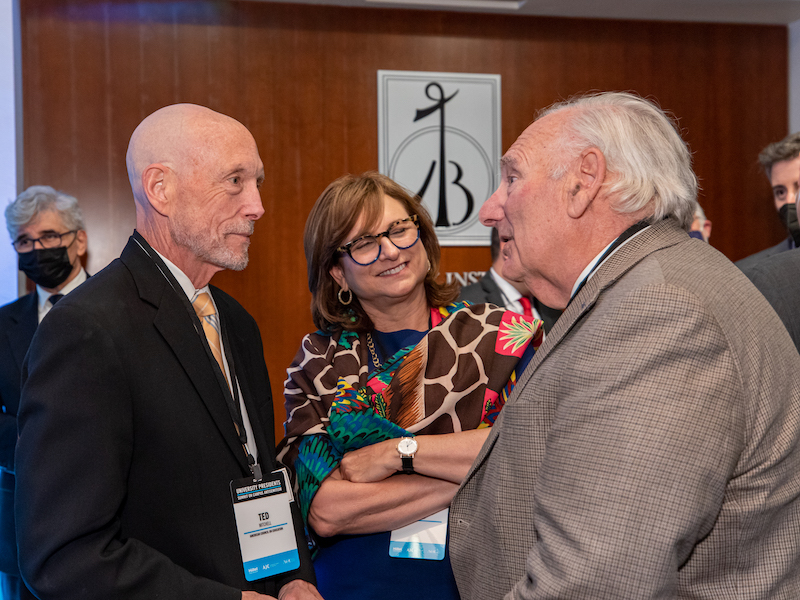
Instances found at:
x=650 y=449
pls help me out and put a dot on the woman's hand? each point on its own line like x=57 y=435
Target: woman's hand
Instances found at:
x=371 y=463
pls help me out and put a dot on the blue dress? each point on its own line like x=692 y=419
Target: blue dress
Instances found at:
x=358 y=567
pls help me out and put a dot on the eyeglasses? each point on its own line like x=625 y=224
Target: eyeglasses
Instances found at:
x=367 y=249
x=48 y=240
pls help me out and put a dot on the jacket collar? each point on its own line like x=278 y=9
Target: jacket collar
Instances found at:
x=659 y=235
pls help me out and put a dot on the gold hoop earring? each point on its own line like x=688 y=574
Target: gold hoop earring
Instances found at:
x=349 y=298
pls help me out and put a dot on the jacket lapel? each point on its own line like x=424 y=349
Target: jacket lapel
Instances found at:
x=493 y=294
x=21 y=333
x=235 y=347
x=175 y=325
x=660 y=235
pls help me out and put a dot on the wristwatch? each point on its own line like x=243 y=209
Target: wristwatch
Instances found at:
x=407 y=448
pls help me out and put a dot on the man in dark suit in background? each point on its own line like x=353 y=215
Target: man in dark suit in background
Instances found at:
x=46 y=228
x=781 y=164
x=494 y=288
x=778 y=278
x=146 y=398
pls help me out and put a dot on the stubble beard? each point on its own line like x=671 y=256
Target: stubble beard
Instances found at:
x=210 y=250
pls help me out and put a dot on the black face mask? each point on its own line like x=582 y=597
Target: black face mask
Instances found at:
x=48 y=267
x=788 y=215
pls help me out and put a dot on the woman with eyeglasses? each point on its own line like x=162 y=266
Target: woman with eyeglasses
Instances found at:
x=390 y=401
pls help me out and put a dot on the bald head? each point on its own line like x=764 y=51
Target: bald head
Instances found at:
x=195 y=175
x=178 y=136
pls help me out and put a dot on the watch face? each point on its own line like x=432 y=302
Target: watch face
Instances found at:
x=407 y=446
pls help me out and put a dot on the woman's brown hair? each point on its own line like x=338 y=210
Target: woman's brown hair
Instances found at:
x=334 y=215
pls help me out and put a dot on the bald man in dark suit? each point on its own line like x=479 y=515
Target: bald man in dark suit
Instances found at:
x=146 y=399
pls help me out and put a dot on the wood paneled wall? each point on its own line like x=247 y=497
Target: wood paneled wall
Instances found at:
x=303 y=79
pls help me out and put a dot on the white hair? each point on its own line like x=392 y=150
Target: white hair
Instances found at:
x=39 y=198
x=645 y=155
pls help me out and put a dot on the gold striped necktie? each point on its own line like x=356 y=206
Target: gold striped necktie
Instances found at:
x=204 y=308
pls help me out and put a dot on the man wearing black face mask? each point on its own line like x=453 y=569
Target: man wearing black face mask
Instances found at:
x=781 y=163
x=47 y=231
x=775 y=278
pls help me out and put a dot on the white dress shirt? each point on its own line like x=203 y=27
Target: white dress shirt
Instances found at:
x=511 y=295
x=590 y=268
x=44 y=296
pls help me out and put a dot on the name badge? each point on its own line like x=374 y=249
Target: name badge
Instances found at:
x=265 y=526
x=425 y=539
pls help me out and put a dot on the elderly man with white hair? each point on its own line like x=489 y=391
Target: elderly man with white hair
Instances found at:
x=651 y=447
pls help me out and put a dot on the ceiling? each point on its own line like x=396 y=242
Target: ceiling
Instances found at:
x=776 y=12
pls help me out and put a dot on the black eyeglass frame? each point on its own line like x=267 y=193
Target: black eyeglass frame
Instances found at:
x=33 y=241
x=347 y=248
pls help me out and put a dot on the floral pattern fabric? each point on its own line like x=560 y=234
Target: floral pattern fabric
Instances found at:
x=456 y=378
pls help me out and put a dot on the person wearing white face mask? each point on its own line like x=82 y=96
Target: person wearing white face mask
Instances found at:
x=47 y=231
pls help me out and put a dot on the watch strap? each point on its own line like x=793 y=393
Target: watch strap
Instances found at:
x=408 y=465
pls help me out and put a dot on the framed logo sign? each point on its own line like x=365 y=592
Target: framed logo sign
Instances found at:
x=439 y=136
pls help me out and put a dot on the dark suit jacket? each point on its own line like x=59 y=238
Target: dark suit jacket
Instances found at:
x=127 y=448
x=486 y=290
x=651 y=448
x=778 y=278
x=18 y=321
x=749 y=261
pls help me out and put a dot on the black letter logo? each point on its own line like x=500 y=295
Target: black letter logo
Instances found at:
x=442 y=218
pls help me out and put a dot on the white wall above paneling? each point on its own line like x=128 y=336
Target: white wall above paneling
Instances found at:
x=776 y=12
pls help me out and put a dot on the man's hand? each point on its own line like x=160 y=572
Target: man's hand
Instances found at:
x=298 y=590
x=255 y=596
x=371 y=463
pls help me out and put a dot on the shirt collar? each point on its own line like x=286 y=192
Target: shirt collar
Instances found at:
x=183 y=279
x=44 y=296
x=509 y=291
x=592 y=267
